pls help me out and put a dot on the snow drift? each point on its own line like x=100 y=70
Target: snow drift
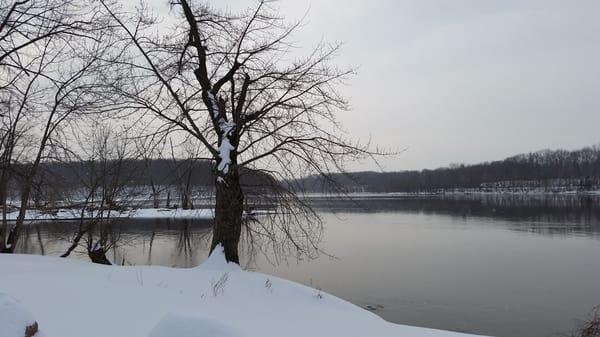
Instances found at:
x=71 y=298
x=15 y=319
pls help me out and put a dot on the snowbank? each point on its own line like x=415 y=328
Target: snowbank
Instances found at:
x=187 y=325
x=66 y=214
x=142 y=213
x=71 y=298
x=14 y=317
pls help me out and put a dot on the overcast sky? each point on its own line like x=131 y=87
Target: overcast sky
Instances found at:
x=459 y=81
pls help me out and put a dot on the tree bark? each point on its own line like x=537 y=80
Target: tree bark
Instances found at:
x=228 y=215
x=15 y=233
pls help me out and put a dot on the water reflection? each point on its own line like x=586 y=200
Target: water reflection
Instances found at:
x=169 y=242
x=549 y=215
x=187 y=239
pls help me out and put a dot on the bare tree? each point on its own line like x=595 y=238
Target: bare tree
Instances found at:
x=27 y=24
x=104 y=172
x=49 y=52
x=183 y=176
x=149 y=150
x=230 y=80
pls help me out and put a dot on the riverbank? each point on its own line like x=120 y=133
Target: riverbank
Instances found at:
x=65 y=214
x=71 y=298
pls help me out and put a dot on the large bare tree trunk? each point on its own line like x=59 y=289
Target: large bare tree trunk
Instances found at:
x=228 y=215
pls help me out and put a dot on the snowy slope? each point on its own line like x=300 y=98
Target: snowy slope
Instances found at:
x=72 y=298
x=14 y=317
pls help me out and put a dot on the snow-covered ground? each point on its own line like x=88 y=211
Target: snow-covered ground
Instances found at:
x=70 y=298
x=142 y=213
x=33 y=215
x=14 y=317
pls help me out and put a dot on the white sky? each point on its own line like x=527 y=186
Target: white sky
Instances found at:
x=462 y=80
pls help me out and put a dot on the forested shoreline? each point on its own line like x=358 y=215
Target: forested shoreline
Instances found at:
x=546 y=170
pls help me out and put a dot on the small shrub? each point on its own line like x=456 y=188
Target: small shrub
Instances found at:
x=218 y=287
x=269 y=285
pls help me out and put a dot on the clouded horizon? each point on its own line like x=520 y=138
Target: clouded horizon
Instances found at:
x=461 y=81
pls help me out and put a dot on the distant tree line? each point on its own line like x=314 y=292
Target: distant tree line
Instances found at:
x=546 y=169
x=543 y=169
x=58 y=180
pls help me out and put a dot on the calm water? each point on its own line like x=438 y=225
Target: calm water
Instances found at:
x=500 y=266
